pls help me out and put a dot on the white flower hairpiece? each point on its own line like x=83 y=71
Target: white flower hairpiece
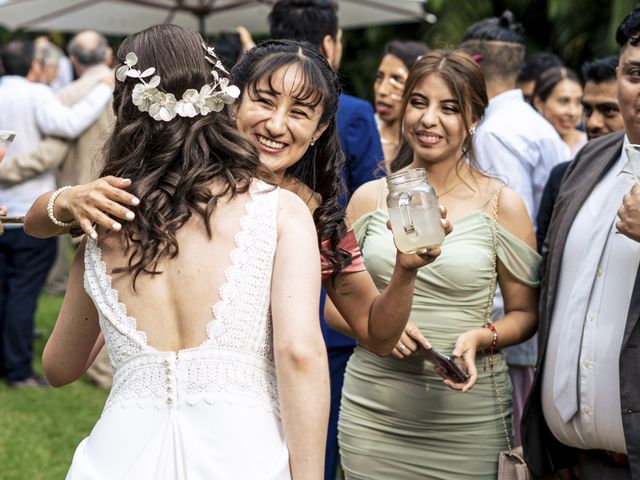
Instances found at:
x=212 y=97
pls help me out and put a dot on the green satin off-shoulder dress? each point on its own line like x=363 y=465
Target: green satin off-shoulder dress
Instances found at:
x=397 y=419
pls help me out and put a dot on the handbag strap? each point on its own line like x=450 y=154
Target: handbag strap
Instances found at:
x=488 y=319
x=494 y=254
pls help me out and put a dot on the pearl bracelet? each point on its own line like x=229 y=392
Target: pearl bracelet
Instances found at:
x=52 y=201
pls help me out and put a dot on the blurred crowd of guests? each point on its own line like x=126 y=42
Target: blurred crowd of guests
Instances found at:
x=60 y=124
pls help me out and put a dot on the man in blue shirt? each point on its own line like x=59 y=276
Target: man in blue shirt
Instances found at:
x=316 y=21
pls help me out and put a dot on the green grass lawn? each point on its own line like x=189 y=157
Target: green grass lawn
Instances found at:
x=40 y=428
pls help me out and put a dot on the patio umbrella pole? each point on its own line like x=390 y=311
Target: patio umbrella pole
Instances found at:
x=201 y=25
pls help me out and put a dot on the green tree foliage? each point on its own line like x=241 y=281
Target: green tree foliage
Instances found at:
x=576 y=30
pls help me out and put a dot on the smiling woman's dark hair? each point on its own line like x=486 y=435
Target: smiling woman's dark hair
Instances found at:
x=548 y=81
x=172 y=164
x=320 y=166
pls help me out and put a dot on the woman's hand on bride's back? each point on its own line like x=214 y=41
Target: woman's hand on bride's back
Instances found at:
x=101 y=202
x=424 y=256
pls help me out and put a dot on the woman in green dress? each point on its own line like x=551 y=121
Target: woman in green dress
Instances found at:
x=399 y=419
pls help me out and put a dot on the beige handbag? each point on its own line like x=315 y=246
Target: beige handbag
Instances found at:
x=511 y=464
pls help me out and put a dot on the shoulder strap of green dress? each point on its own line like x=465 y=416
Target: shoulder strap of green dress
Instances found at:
x=380 y=194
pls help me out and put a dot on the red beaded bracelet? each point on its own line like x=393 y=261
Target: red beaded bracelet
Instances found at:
x=494 y=340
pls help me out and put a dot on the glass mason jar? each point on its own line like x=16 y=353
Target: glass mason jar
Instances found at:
x=414 y=212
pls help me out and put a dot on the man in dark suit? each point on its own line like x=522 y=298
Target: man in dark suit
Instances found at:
x=584 y=408
x=316 y=21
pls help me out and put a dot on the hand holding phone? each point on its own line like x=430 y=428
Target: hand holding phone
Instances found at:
x=445 y=364
x=7 y=220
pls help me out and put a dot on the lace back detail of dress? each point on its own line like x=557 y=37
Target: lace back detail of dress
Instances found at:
x=241 y=319
x=121 y=335
x=242 y=316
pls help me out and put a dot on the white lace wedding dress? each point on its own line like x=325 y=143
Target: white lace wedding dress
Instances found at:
x=209 y=412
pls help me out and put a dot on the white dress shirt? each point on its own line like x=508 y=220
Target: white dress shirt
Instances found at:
x=32 y=111
x=597 y=275
x=518 y=146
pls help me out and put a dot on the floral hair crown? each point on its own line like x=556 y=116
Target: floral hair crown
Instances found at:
x=212 y=97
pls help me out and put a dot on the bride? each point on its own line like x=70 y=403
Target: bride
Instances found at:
x=208 y=303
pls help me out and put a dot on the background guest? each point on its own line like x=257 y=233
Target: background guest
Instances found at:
x=558 y=98
x=600 y=99
x=533 y=66
x=230 y=46
x=31 y=110
x=64 y=69
x=78 y=160
x=49 y=56
x=398 y=58
x=75 y=160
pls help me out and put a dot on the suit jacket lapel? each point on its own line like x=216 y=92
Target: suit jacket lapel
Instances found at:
x=634 y=310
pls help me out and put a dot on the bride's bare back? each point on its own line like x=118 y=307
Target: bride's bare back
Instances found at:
x=174 y=308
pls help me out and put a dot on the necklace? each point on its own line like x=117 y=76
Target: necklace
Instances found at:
x=453 y=187
x=385 y=141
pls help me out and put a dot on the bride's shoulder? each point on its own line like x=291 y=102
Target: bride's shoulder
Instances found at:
x=294 y=217
x=310 y=198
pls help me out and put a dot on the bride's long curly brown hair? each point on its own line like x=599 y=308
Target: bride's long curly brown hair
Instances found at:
x=172 y=164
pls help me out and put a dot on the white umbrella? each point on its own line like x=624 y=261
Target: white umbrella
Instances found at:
x=118 y=17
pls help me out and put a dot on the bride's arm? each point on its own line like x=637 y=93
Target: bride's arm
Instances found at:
x=300 y=355
x=74 y=335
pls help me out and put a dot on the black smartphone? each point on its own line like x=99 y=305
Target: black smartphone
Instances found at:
x=447 y=364
x=11 y=219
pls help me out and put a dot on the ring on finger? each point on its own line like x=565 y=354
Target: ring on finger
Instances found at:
x=402 y=347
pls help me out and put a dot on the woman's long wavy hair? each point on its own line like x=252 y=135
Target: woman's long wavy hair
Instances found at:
x=321 y=165
x=172 y=164
x=464 y=78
